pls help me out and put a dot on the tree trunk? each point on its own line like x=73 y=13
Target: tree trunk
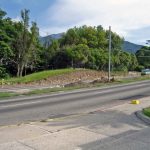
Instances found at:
x=18 y=70
x=21 y=71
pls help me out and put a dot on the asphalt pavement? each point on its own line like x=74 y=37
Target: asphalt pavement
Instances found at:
x=20 y=110
x=113 y=128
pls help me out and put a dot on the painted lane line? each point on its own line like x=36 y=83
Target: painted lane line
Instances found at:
x=41 y=101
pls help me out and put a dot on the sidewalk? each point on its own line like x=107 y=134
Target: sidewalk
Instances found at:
x=112 y=128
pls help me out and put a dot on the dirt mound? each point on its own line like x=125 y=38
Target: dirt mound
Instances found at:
x=75 y=78
x=84 y=76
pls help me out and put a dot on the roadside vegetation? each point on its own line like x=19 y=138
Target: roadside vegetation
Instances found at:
x=4 y=95
x=39 y=76
x=24 y=59
x=22 y=53
x=141 y=78
x=68 y=74
x=146 y=111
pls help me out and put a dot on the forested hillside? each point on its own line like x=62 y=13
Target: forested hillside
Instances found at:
x=22 y=53
x=126 y=46
x=131 y=47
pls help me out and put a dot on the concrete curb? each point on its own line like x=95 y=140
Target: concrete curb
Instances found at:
x=143 y=117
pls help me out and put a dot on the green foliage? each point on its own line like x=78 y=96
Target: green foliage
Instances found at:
x=85 y=46
x=2 y=14
x=6 y=38
x=143 y=56
x=3 y=73
x=146 y=111
x=88 y=47
x=139 y=68
x=19 y=45
x=7 y=94
x=40 y=75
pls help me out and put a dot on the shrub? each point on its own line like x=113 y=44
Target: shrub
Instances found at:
x=3 y=73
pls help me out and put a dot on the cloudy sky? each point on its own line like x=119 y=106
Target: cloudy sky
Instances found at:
x=129 y=18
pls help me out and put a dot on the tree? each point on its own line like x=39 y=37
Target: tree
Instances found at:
x=101 y=37
x=26 y=44
x=70 y=38
x=143 y=56
x=85 y=46
x=6 y=38
x=117 y=41
x=50 y=49
x=2 y=14
x=79 y=55
x=32 y=57
x=22 y=42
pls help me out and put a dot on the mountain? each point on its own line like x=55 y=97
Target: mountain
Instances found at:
x=131 y=47
x=127 y=46
x=51 y=37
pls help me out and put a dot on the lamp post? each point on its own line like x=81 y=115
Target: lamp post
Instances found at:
x=109 y=61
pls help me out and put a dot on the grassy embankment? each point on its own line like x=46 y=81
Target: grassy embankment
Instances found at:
x=33 y=78
x=45 y=74
x=117 y=82
x=146 y=111
x=7 y=95
x=39 y=76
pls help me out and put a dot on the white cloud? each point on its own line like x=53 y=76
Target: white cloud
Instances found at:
x=122 y=15
x=140 y=35
x=17 y=19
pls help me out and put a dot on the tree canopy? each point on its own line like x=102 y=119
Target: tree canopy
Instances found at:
x=22 y=53
x=143 y=56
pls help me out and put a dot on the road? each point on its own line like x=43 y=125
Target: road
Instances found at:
x=58 y=105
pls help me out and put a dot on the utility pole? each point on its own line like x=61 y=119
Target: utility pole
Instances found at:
x=109 y=63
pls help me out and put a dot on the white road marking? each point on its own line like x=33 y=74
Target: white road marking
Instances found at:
x=40 y=101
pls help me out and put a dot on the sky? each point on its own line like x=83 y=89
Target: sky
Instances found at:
x=129 y=18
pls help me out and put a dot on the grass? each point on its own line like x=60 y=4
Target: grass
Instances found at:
x=146 y=111
x=142 y=78
x=39 y=76
x=45 y=74
x=83 y=86
x=119 y=73
x=50 y=73
x=53 y=90
x=7 y=94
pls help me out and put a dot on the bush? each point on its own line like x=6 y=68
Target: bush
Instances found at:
x=139 y=68
x=3 y=73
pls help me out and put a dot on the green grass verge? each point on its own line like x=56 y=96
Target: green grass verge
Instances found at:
x=50 y=73
x=52 y=90
x=83 y=86
x=39 y=76
x=146 y=111
x=7 y=95
x=142 y=78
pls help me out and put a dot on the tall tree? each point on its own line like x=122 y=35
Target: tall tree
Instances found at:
x=22 y=42
x=26 y=43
